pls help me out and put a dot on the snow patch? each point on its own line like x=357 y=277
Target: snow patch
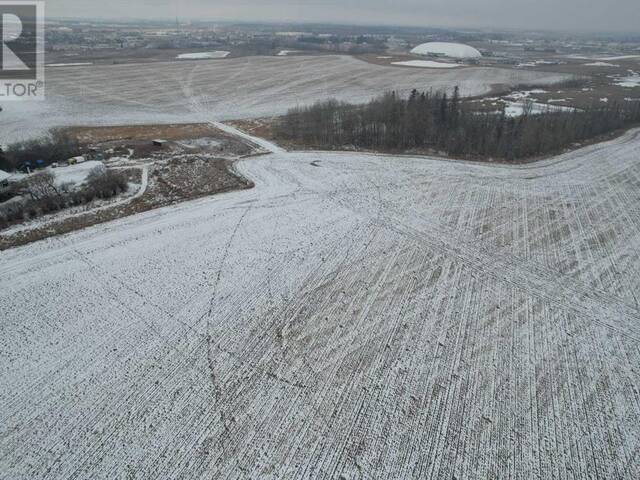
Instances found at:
x=524 y=94
x=517 y=109
x=600 y=64
x=203 y=142
x=77 y=64
x=425 y=64
x=74 y=174
x=603 y=59
x=629 y=82
x=539 y=62
x=203 y=55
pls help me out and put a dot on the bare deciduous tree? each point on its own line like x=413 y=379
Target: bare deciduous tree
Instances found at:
x=42 y=185
x=440 y=122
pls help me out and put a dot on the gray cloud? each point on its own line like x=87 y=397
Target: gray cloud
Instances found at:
x=610 y=15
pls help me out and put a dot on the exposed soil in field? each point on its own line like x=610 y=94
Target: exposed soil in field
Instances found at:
x=173 y=131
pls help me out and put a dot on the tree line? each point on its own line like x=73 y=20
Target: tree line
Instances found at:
x=56 y=147
x=439 y=122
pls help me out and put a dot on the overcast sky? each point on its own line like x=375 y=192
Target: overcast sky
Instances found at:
x=600 y=15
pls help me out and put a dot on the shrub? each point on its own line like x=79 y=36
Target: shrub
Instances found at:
x=104 y=183
x=42 y=185
x=10 y=213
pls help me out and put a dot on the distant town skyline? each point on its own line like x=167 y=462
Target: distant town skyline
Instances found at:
x=575 y=15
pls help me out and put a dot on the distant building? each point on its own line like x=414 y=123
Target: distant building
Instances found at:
x=444 y=49
x=158 y=142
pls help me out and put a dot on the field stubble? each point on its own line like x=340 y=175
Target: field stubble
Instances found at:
x=200 y=91
x=352 y=315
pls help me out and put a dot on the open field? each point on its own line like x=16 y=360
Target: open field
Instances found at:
x=352 y=316
x=199 y=91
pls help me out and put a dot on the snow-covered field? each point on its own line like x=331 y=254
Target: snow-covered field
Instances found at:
x=203 y=55
x=195 y=91
x=425 y=64
x=352 y=316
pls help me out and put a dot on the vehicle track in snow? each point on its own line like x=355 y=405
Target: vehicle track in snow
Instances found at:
x=228 y=89
x=365 y=316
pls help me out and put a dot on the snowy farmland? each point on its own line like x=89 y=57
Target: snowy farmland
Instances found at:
x=197 y=91
x=352 y=316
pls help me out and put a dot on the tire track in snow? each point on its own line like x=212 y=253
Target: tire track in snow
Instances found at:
x=364 y=324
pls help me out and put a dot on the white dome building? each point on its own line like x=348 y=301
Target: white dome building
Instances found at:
x=443 y=49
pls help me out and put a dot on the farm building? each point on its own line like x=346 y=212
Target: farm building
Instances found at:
x=443 y=49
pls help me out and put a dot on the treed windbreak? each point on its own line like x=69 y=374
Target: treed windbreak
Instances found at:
x=437 y=122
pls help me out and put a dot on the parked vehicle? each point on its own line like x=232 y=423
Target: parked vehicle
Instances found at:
x=78 y=159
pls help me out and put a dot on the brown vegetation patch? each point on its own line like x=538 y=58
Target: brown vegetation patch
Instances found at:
x=193 y=177
x=170 y=132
